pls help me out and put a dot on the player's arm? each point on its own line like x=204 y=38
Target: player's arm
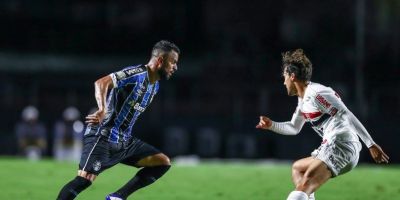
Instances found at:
x=102 y=86
x=375 y=150
x=331 y=104
x=291 y=127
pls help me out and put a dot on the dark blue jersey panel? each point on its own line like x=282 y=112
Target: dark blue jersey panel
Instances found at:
x=131 y=95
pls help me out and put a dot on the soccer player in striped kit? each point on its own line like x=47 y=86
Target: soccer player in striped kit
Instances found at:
x=330 y=118
x=121 y=97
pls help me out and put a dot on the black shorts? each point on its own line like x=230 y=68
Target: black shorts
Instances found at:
x=98 y=154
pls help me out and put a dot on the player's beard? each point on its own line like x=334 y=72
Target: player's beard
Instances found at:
x=163 y=74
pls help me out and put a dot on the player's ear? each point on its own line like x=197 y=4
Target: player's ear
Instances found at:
x=159 y=60
x=292 y=77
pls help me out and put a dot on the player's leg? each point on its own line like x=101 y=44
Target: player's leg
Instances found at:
x=154 y=165
x=311 y=196
x=298 y=169
x=153 y=168
x=89 y=168
x=316 y=174
x=77 y=185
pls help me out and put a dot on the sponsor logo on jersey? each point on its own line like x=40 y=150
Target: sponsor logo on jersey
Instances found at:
x=337 y=95
x=129 y=72
x=323 y=101
x=333 y=111
x=96 y=165
x=136 y=106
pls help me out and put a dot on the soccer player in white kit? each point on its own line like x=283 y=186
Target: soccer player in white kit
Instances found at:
x=330 y=118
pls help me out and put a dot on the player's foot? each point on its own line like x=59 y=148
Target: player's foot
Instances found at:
x=113 y=197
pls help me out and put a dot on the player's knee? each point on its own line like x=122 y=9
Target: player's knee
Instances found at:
x=88 y=176
x=298 y=166
x=154 y=160
x=164 y=160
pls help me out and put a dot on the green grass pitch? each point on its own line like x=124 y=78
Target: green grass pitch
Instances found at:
x=24 y=180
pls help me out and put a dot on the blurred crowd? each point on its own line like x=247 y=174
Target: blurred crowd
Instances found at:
x=33 y=138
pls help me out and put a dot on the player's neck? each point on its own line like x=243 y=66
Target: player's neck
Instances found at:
x=152 y=73
x=301 y=88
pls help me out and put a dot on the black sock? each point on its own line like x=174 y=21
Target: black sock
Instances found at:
x=73 y=188
x=143 y=178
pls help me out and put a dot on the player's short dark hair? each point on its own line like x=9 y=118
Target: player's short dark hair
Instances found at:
x=163 y=47
x=297 y=62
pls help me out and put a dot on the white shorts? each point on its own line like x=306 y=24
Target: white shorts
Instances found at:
x=339 y=156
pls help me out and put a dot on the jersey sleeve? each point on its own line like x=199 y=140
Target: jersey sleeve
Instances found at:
x=360 y=129
x=331 y=104
x=126 y=76
x=291 y=127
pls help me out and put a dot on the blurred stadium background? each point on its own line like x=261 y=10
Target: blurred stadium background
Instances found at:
x=51 y=52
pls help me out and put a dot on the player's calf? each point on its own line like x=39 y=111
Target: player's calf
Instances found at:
x=143 y=178
x=73 y=188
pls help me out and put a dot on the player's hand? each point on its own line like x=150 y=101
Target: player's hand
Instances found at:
x=378 y=155
x=265 y=123
x=95 y=118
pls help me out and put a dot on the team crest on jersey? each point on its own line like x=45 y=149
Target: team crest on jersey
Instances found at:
x=141 y=90
x=96 y=165
x=120 y=75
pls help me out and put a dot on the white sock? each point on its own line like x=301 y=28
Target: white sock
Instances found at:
x=311 y=197
x=297 y=195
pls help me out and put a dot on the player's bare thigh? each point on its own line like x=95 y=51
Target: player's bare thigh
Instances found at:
x=88 y=176
x=302 y=164
x=154 y=160
x=299 y=168
x=316 y=174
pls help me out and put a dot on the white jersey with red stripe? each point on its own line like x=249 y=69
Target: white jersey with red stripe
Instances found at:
x=322 y=107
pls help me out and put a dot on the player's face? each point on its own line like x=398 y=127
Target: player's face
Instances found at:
x=288 y=82
x=168 y=65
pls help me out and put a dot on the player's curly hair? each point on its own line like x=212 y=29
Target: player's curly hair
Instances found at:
x=297 y=62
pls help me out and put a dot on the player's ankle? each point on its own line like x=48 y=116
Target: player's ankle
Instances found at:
x=311 y=196
x=297 y=195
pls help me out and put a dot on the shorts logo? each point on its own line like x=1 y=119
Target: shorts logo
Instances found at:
x=96 y=165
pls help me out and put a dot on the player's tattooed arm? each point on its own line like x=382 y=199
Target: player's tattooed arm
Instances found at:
x=102 y=86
